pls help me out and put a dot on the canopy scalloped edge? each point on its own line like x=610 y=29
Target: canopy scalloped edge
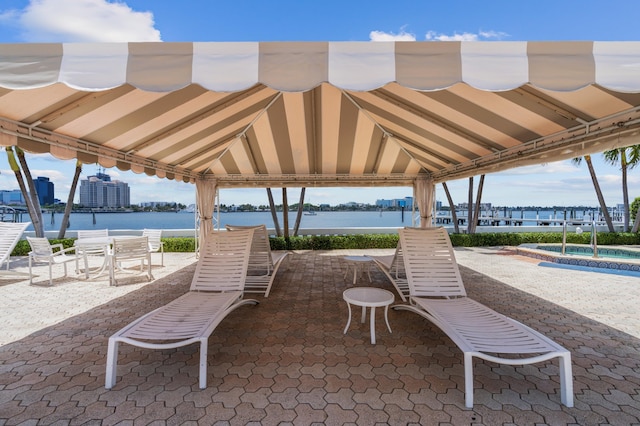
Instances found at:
x=301 y=66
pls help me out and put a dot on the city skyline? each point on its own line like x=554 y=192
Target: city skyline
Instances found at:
x=138 y=20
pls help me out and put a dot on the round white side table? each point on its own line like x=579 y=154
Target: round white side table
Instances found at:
x=368 y=297
x=358 y=263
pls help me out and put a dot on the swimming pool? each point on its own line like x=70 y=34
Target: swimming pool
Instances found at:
x=612 y=258
x=586 y=250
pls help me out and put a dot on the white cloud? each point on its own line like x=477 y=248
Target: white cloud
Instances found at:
x=465 y=36
x=82 y=21
x=383 y=36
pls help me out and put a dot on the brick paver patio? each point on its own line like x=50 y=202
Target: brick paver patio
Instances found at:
x=287 y=361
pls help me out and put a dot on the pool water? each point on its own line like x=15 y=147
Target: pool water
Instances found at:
x=587 y=251
x=611 y=259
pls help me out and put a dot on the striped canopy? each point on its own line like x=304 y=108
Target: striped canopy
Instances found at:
x=319 y=113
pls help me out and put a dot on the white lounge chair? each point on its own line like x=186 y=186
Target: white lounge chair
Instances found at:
x=155 y=243
x=438 y=294
x=263 y=263
x=216 y=290
x=10 y=233
x=53 y=254
x=129 y=249
x=393 y=267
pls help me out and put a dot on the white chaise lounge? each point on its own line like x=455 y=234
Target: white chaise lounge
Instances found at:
x=10 y=234
x=438 y=294
x=216 y=290
x=263 y=262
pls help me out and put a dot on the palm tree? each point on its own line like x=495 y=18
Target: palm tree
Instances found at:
x=452 y=208
x=628 y=157
x=476 y=210
x=596 y=186
x=30 y=195
x=274 y=215
x=69 y=206
x=474 y=215
x=300 y=210
x=470 y=228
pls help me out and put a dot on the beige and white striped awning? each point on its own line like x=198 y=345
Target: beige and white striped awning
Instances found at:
x=320 y=114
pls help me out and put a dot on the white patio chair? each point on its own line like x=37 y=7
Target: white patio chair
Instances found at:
x=10 y=233
x=155 y=243
x=129 y=249
x=437 y=293
x=216 y=291
x=53 y=254
x=93 y=242
x=263 y=262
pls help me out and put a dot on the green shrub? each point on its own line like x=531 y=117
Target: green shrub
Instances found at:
x=369 y=241
x=179 y=244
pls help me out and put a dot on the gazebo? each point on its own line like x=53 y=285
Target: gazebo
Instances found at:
x=285 y=114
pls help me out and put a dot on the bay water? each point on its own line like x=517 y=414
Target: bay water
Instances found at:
x=322 y=219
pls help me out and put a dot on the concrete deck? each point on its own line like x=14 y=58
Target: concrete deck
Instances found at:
x=287 y=361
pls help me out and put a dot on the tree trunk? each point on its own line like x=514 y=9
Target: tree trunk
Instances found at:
x=452 y=208
x=35 y=221
x=274 y=214
x=636 y=223
x=285 y=218
x=300 y=210
x=33 y=192
x=596 y=186
x=476 y=211
x=625 y=191
x=69 y=206
x=470 y=227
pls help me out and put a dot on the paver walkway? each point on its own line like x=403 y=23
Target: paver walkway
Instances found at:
x=287 y=361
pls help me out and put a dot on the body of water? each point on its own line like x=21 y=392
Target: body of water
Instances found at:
x=341 y=219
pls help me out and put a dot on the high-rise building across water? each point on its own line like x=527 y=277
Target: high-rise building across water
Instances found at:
x=99 y=191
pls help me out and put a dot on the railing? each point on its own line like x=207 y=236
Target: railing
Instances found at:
x=594 y=239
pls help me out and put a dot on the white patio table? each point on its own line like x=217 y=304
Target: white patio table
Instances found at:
x=97 y=245
x=368 y=297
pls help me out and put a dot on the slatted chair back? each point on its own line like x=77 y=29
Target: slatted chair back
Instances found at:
x=93 y=233
x=127 y=250
x=98 y=248
x=154 y=236
x=130 y=248
x=429 y=260
x=224 y=258
x=41 y=249
x=260 y=259
x=10 y=233
x=155 y=242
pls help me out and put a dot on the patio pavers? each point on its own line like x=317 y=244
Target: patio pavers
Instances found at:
x=287 y=361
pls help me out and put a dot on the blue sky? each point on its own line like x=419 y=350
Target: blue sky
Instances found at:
x=551 y=184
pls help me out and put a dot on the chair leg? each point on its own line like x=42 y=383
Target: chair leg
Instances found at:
x=112 y=363
x=566 y=380
x=468 y=380
x=50 y=274
x=86 y=265
x=30 y=272
x=149 y=275
x=203 y=363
